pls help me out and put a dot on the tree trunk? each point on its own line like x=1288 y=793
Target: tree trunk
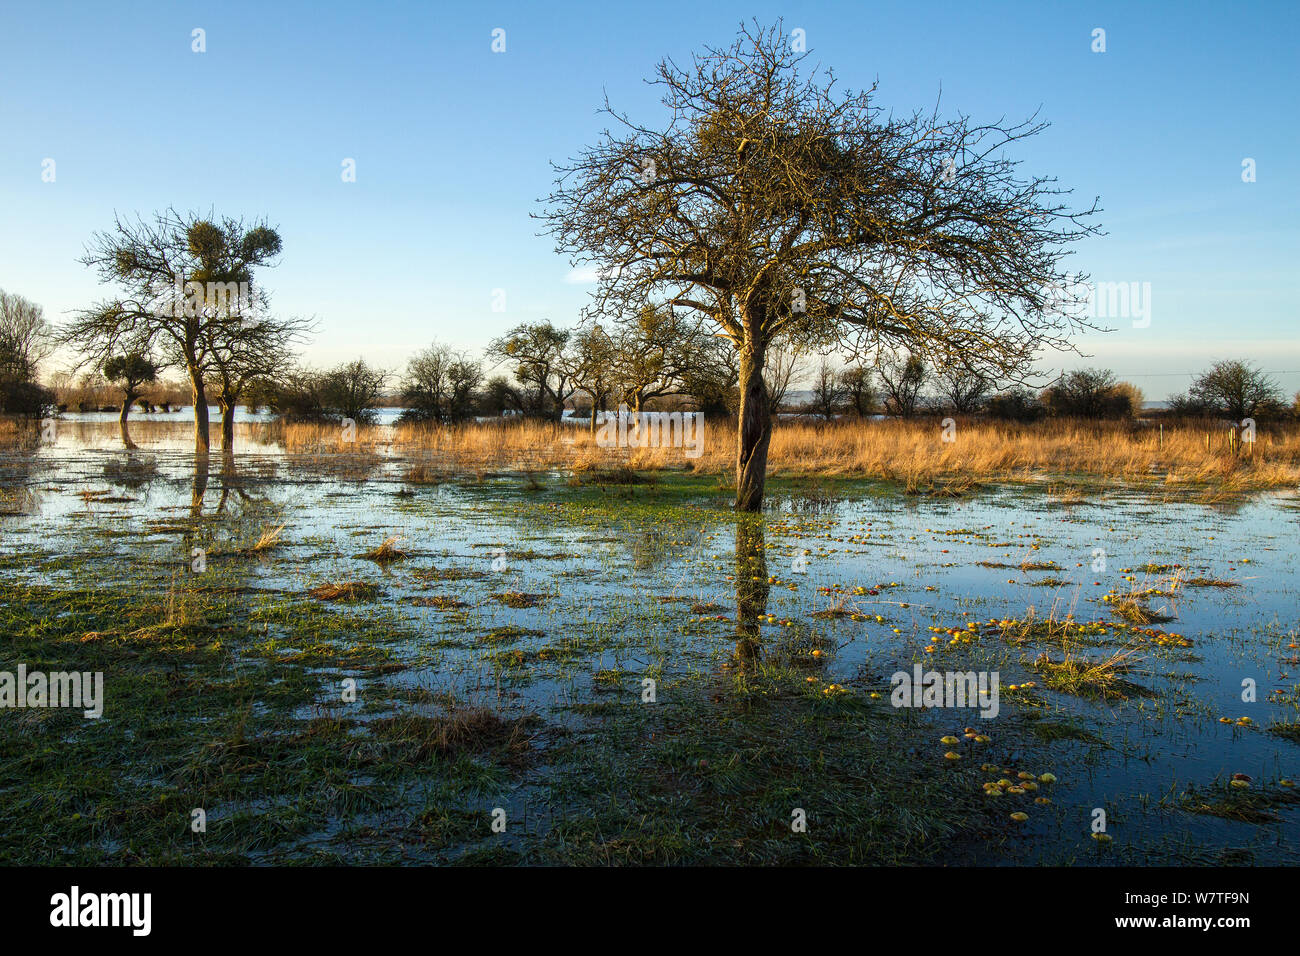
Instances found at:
x=202 y=440
x=121 y=421
x=227 y=427
x=754 y=433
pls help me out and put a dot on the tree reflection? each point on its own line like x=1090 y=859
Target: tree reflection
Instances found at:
x=199 y=486
x=751 y=589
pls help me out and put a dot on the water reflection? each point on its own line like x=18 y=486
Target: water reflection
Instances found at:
x=133 y=472
x=198 y=485
x=751 y=589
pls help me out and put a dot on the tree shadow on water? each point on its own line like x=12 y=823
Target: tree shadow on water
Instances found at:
x=751 y=590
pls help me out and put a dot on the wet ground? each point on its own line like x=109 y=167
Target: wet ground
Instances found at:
x=544 y=599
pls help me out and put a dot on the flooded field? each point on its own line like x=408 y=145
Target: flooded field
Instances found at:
x=335 y=663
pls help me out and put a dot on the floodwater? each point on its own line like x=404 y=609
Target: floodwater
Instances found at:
x=637 y=572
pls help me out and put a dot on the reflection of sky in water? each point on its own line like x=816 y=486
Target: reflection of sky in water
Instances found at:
x=610 y=567
x=174 y=430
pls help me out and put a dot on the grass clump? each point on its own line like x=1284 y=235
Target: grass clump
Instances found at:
x=345 y=591
x=1085 y=678
x=517 y=599
x=416 y=738
x=386 y=552
x=269 y=538
x=1287 y=730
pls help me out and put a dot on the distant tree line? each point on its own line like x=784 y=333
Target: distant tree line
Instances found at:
x=25 y=340
x=538 y=369
x=186 y=302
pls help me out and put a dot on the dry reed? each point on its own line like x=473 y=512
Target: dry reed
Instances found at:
x=910 y=452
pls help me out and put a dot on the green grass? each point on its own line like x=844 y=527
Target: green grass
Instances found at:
x=229 y=694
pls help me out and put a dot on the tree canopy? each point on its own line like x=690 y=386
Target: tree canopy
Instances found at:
x=771 y=203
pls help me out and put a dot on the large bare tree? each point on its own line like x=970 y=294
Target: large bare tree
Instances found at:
x=185 y=283
x=773 y=204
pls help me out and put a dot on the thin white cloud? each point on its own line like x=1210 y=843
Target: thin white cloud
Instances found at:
x=583 y=275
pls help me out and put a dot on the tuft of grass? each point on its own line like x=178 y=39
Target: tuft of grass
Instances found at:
x=440 y=601
x=345 y=591
x=416 y=738
x=387 y=551
x=1230 y=809
x=1134 y=609
x=517 y=599
x=1022 y=566
x=1288 y=730
x=270 y=538
x=508 y=634
x=445 y=574
x=1245 y=806
x=1051 y=731
x=423 y=473
x=623 y=475
x=1085 y=678
x=956 y=486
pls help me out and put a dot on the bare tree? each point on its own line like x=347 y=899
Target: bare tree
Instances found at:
x=351 y=390
x=963 y=389
x=180 y=276
x=656 y=351
x=860 y=393
x=772 y=204
x=439 y=385
x=712 y=377
x=1091 y=393
x=243 y=349
x=902 y=376
x=25 y=341
x=594 y=366
x=828 y=391
x=26 y=338
x=783 y=368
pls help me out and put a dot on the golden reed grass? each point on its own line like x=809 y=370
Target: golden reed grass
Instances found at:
x=894 y=450
x=910 y=451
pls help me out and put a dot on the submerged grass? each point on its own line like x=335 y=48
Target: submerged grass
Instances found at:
x=228 y=692
x=1087 y=678
x=345 y=591
x=386 y=551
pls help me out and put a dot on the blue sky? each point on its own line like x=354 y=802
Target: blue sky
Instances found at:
x=453 y=142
